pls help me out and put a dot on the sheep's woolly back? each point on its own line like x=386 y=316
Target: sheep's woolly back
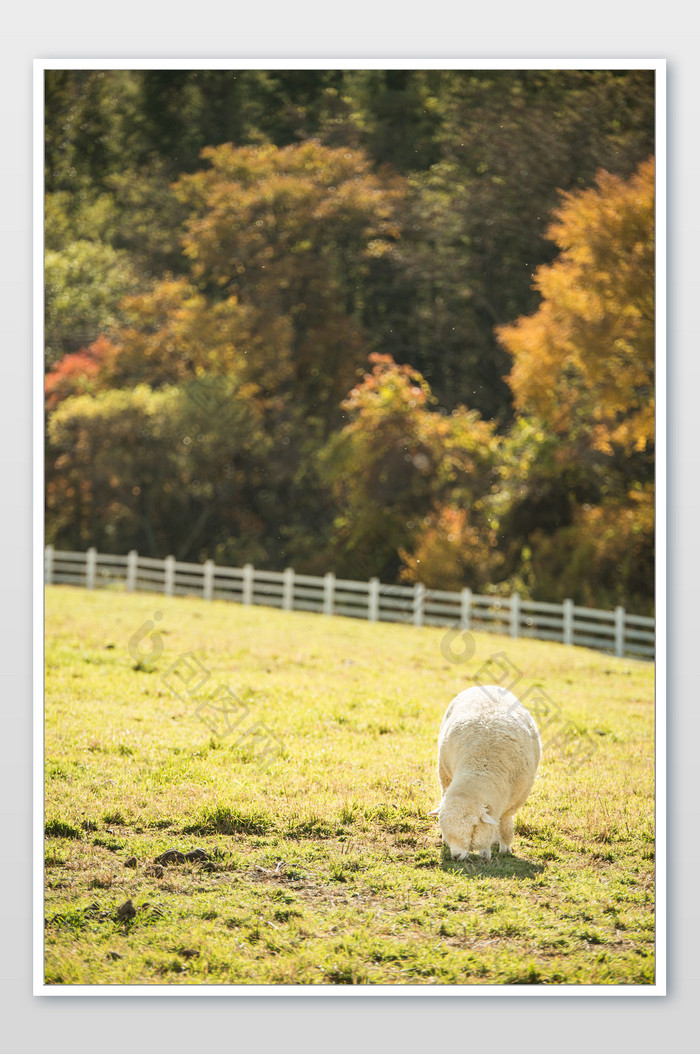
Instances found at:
x=488 y=753
x=487 y=730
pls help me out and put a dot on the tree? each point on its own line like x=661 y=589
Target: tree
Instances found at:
x=84 y=284
x=585 y=359
x=289 y=233
x=484 y=152
x=303 y=254
x=150 y=219
x=393 y=465
x=145 y=469
x=276 y=242
x=474 y=229
x=575 y=500
x=454 y=549
x=83 y=372
x=87 y=113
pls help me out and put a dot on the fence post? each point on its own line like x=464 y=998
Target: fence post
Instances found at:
x=418 y=603
x=515 y=615
x=466 y=606
x=132 y=562
x=288 y=589
x=248 y=584
x=328 y=593
x=209 y=580
x=169 y=587
x=91 y=567
x=373 y=600
x=568 y=621
x=619 y=631
x=48 y=565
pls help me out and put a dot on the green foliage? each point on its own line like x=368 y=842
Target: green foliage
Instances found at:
x=84 y=284
x=145 y=468
x=87 y=113
x=84 y=216
x=151 y=218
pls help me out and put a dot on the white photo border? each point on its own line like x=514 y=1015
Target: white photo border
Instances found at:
x=292 y=63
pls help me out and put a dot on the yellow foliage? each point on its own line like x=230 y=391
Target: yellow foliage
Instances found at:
x=585 y=359
x=290 y=232
x=396 y=459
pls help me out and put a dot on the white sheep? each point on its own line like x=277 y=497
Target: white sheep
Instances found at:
x=488 y=752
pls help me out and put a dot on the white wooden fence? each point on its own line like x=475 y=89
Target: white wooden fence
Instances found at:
x=610 y=631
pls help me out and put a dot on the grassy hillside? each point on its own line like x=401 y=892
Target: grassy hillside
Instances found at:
x=319 y=864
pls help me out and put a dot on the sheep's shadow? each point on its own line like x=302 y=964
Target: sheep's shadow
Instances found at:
x=501 y=865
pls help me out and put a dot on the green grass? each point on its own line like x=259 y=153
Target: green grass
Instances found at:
x=322 y=866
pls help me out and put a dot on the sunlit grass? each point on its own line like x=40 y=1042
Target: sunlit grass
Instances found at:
x=322 y=866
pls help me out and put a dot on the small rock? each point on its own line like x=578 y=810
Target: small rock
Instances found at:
x=114 y=956
x=131 y=862
x=159 y=870
x=196 y=854
x=170 y=856
x=126 y=910
x=189 y=953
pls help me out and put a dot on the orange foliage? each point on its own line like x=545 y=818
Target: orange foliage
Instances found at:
x=451 y=553
x=78 y=373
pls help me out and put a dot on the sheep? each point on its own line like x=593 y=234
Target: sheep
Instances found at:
x=488 y=752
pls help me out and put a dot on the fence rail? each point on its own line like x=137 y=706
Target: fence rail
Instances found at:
x=610 y=631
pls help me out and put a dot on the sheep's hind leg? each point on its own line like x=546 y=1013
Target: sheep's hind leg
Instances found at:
x=505 y=835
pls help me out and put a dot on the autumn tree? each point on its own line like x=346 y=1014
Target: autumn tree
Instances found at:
x=476 y=217
x=484 y=151
x=580 y=519
x=276 y=242
x=289 y=233
x=585 y=359
x=155 y=470
x=393 y=465
x=267 y=316
x=303 y=255
x=80 y=373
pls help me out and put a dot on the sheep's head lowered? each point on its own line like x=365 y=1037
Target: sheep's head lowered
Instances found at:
x=467 y=827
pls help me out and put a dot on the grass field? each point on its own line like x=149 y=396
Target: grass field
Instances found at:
x=318 y=864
